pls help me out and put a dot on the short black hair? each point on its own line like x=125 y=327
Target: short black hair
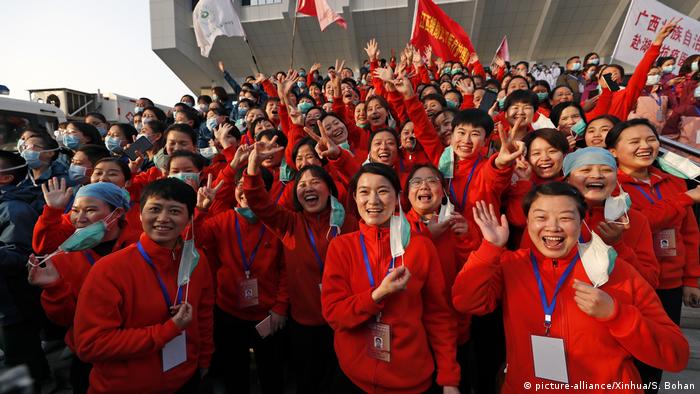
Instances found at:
x=89 y=131
x=9 y=160
x=270 y=134
x=318 y=172
x=614 y=134
x=383 y=130
x=306 y=141
x=572 y=58
x=377 y=169
x=663 y=59
x=521 y=96
x=96 y=115
x=197 y=159
x=514 y=77
x=182 y=128
x=94 y=152
x=556 y=189
x=435 y=97
x=527 y=65
x=49 y=143
x=191 y=114
x=187 y=96
x=474 y=117
x=415 y=169
x=553 y=137
x=160 y=115
x=266 y=175
x=558 y=109
x=119 y=162
x=170 y=189
x=149 y=101
x=128 y=130
x=543 y=83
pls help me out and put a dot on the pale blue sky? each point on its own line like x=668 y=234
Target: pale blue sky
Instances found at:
x=84 y=45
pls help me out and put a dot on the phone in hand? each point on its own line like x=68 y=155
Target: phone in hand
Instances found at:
x=141 y=145
x=614 y=87
x=488 y=100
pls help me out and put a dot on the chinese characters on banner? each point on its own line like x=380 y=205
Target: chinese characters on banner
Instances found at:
x=644 y=19
x=432 y=26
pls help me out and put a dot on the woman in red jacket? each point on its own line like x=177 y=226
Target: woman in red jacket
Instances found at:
x=390 y=315
x=251 y=288
x=305 y=234
x=668 y=205
x=144 y=323
x=98 y=212
x=559 y=328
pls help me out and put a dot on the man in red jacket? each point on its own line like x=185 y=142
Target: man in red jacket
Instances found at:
x=143 y=326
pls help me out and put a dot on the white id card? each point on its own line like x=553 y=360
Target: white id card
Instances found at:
x=175 y=352
x=264 y=327
x=549 y=357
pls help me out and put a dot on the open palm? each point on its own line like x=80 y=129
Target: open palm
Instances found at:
x=493 y=230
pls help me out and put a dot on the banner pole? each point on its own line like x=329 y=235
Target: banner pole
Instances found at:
x=294 y=34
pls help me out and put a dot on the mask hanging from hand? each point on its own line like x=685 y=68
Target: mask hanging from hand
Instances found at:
x=399 y=233
x=337 y=216
x=188 y=260
x=446 y=165
x=446 y=210
x=617 y=207
x=598 y=259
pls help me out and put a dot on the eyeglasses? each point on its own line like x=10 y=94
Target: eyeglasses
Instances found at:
x=431 y=181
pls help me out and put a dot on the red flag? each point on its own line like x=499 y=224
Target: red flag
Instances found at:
x=321 y=10
x=431 y=26
x=503 y=51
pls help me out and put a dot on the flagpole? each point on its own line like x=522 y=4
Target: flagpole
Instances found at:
x=294 y=34
x=257 y=68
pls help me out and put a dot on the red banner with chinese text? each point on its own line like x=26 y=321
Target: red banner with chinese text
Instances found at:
x=432 y=26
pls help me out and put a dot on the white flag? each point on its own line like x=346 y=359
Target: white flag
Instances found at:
x=213 y=18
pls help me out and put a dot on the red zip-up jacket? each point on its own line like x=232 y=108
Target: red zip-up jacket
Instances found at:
x=422 y=324
x=267 y=267
x=452 y=254
x=122 y=322
x=54 y=227
x=303 y=270
x=597 y=350
x=673 y=209
x=60 y=298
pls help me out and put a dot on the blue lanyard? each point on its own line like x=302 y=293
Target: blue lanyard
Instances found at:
x=659 y=101
x=89 y=257
x=313 y=245
x=647 y=196
x=284 y=185
x=247 y=263
x=163 y=289
x=549 y=306
x=370 y=276
x=466 y=187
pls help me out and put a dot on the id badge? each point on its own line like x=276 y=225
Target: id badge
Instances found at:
x=248 y=292
x=549 y=358
x=660 y=115
x=380 y=341
x=174 y=352
x=665 y=243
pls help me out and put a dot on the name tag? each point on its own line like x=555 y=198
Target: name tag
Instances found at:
x=549 y=357
x=175 y=352
x=248 y=292
x=380 y=341
x=665 y=243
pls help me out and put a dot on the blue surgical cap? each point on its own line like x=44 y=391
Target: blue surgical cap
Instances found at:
x=588 y=156
x=107 y=192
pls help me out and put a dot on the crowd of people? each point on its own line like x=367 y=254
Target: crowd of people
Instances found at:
x=425 y=226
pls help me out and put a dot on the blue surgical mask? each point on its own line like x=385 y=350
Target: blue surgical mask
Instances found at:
x=576 y=66
x=208 y=152
x=90 y=236
x=189 y=104
x=579 y=128
x=501 y=102
x=304 y=107
x=77 y=172
x=301 y=85
x=113 y=144
x=248 y=214
x=215 y=97
x=211 y=124
x=593 y=61
x=139 y=126
x=138 y=110
x=32 y=158
x=159 y=159
x=455 y=71
x=667 y=69
x=242 y=111
x=193 y=177
x=71 y=141
x=452 y=104
x=188 y=261
x=542 y=96
x=399 y=233
x=446 y=165
x=20 y=145
x=102 y=131
x=240 y=124
x=302 y=73
x=204 y=107
x=286 y=173
x=337 y=215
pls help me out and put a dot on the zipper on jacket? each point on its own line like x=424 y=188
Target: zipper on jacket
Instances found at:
x=555 y=263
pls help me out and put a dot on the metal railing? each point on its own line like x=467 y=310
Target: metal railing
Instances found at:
x=692 y=152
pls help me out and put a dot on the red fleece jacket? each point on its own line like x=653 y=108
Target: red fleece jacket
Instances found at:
x=597 y=350
x=423 y=328
x=122 y=322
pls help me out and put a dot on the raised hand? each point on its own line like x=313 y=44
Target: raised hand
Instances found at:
x=295 y=115
x=593 y=301
x=43 y=276
x=262 y=151
x=372 y=50
x=665 y=31
x=403 y=86
x=395 y=281
x=220 y=134
x=207 y=194
x=260 y=78
x=473 y=58
x=510 y=148
x=465 y=86
x=523 y=169
x=493 y=231
x=314 y=67
x=56 y=194
x=241 y=155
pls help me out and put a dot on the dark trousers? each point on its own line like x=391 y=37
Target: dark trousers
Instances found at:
x=466 y=365
x=192 y=385
x=313 y=356
x=672 y=301
x=230 y=363
x=79 y=375
x=488 y=347
x=23 y=346
x=343 y=385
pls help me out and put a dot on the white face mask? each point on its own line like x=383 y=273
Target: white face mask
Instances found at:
x=678 y=165
x=616 y=207
x=598 y=259
x=399 y=233
x=446 y=210
x=653 y=79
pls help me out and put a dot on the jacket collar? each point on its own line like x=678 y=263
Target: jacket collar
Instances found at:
x=546 y=262
x=164 y=259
